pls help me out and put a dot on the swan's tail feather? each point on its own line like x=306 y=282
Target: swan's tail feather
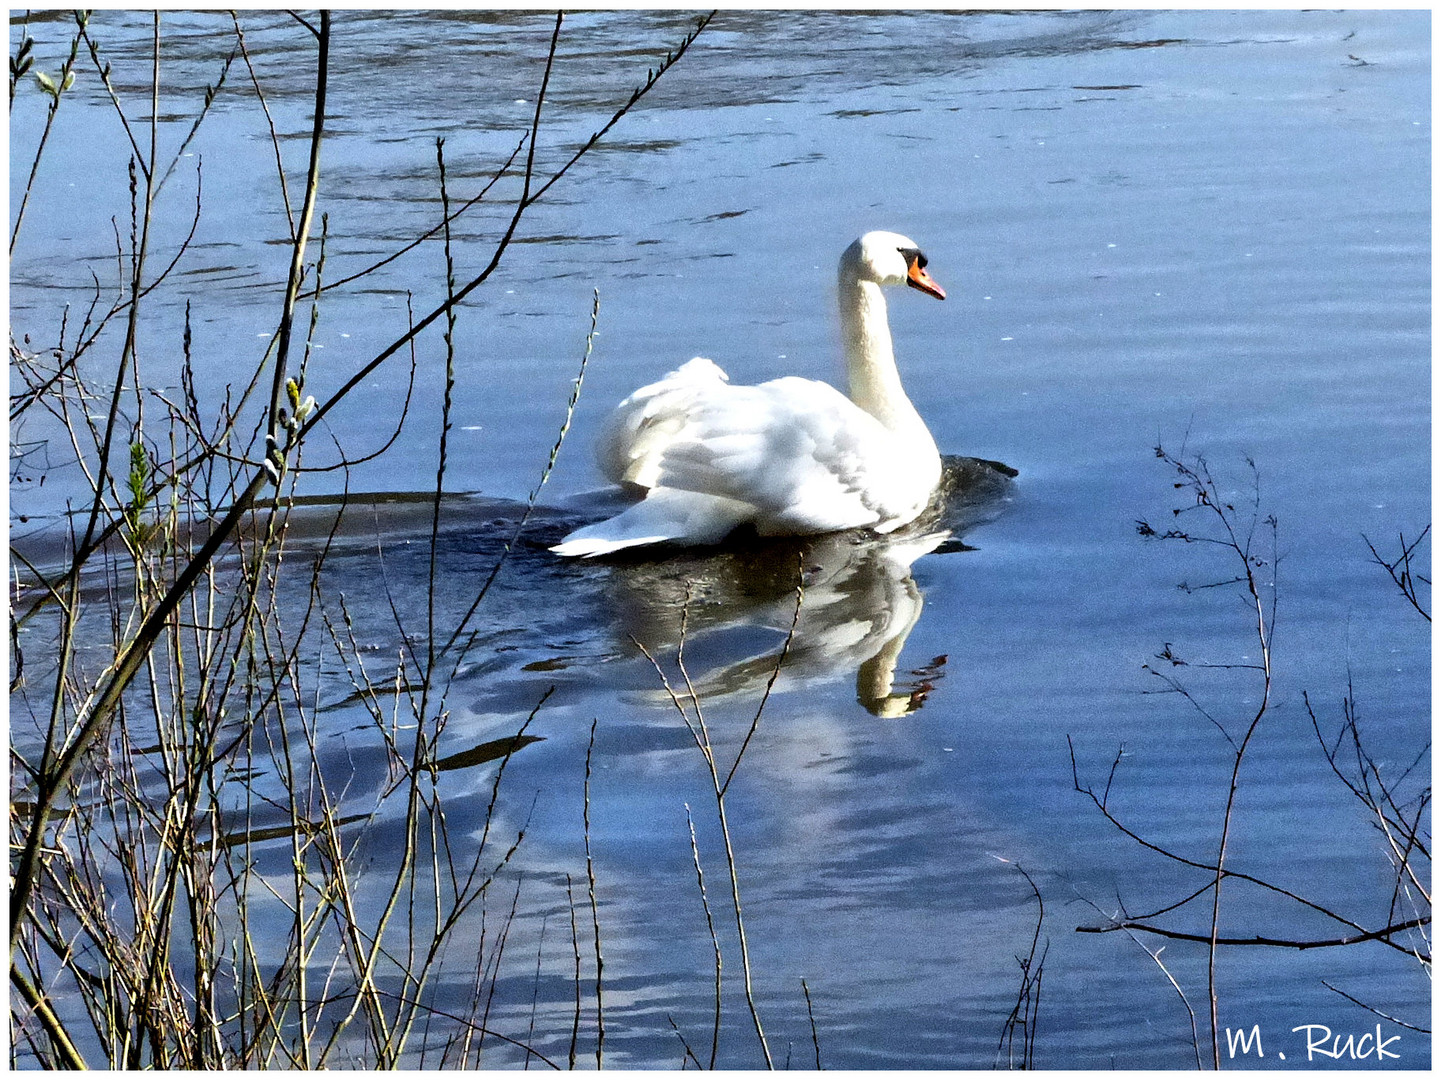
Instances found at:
x=666 y=515
x=587 y=543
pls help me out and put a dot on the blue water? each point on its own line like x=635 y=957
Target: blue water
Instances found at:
x=1199 y=229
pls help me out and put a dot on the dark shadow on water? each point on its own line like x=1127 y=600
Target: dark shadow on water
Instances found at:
x=575 y=623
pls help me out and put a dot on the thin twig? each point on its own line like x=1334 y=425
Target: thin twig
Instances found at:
x=810 y=1014
x=530 y=503
x=56 y=91
x=1405 y=580
x=1282 y=943
x=714 y=939
x=1373 y=1009
x=594 y=910
x=575 y=947
x=770 y=683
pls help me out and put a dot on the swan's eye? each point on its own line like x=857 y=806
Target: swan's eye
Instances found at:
x=911 y=255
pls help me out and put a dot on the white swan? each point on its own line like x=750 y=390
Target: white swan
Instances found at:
x=789 y=457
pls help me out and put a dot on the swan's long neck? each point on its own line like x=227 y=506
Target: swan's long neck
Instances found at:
x=875 y=384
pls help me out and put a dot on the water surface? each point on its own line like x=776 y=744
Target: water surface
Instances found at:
x=1204 y=230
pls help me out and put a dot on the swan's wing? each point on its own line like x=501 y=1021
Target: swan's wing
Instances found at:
x=642 y=426
x=800 y=451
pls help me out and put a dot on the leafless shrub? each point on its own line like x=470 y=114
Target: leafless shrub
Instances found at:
x=190 y=883
x=1248 y=540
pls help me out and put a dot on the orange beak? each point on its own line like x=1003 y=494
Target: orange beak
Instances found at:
x=917 y=278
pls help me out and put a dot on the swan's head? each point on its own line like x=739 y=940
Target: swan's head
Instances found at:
x=888 y=258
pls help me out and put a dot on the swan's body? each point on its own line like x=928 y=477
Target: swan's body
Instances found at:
x=789 y=457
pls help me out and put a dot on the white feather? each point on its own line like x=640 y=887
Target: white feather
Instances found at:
x=664 y=514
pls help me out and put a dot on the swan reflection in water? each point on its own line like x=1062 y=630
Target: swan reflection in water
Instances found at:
x=735 y=608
